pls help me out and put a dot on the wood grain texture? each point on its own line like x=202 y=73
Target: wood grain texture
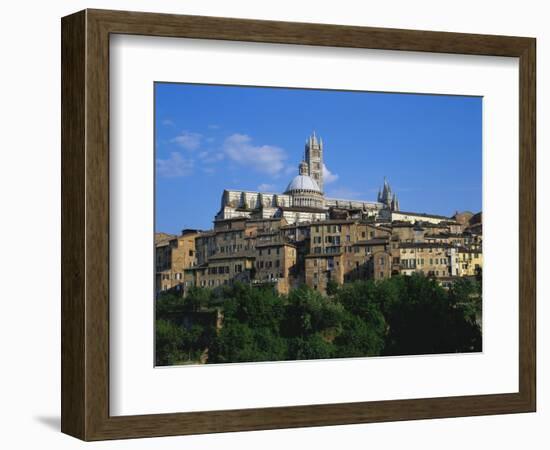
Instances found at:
x=85 y=224
x=73 y=111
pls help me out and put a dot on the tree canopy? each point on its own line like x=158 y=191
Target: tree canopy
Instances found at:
x=402 y=315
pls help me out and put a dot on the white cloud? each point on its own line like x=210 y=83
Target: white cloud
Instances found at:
x=328 y=176
x=214 y=158
x=267 y=159
x=175 y=166
x=209 y=157
x=168 y=123
x=289 y=170
x=213 y=127
x=266 y=187
x=188 y=140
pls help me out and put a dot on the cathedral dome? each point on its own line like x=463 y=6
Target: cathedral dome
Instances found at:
x=304 y=183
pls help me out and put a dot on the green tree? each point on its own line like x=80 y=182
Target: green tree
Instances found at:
x=198 y=298
x=424 y=318
x=309 y=347
x=168 y=343
x=364 y=325
x=359 y=338
x=237 y=342
x=308 y=312
x=332 y=287
x=167 y=304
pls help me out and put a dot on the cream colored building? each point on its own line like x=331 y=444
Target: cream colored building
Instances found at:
x=470 y=261
x=304 y=199
x=431 y=259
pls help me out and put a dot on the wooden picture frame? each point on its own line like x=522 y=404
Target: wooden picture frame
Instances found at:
x=85 y=224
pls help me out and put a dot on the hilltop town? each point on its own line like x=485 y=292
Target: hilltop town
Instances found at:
x=303 y=237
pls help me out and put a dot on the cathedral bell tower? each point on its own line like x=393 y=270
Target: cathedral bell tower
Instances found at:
x=314 y=159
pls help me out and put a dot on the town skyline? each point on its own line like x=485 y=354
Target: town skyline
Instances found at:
x=428 y=147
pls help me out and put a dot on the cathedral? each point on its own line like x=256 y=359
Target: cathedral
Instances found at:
x=304 y=199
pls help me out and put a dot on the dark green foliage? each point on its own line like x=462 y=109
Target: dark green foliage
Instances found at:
x=177 y=340
x=310 y=347
x=237 y=342
x=257 y=307
x=397 y=316
x=308 y=312
x=168 y=343
x=332 y=287
x=424 y=318
x=170 y=303
x=360 y=337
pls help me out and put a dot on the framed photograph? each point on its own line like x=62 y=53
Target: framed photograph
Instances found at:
x=272 y=225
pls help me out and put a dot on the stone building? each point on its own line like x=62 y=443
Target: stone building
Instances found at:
x=302 y=237
x=321 y=269
x=431 y=259
x=221 y=270
x=276 y=265
x=303 y=200
x=381 y=265
x=413 y=217
x=470 y=261
x=173 y=254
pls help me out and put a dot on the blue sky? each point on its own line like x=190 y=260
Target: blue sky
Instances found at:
x=213 y=137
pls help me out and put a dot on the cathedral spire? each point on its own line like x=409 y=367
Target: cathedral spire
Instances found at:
x=387 y=197
x=314 y=159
